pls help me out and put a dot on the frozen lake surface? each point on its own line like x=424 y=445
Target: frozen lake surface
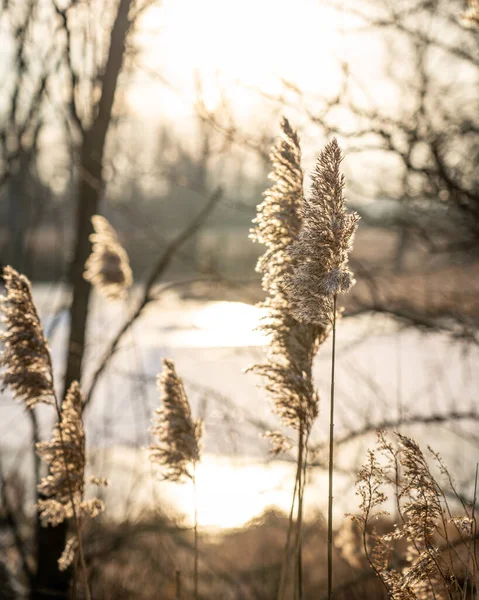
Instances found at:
x=382 y=372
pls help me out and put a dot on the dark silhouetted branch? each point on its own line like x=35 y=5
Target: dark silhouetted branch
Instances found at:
x=159 y=269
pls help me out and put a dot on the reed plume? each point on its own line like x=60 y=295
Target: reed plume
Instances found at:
x=319 y=271
x=178 y=446
x=287 y=373
x=293 y=345
x=278 y=217
x=28 y=373
x=319 y=253
x=471 y=16
x=25 y=360
x=63 y=489
x=108 y=267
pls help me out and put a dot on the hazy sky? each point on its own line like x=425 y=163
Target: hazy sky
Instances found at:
x=237 y=45
x=241 y=49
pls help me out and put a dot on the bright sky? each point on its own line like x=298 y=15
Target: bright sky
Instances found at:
x=241 y=49
x=235 y=45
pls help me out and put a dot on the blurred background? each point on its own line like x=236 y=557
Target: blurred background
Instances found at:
x=160 y=115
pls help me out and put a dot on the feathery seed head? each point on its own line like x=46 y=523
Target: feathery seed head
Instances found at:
x=68 y=554
x=62 y=490
x=319 y=254
x=471 y=16
x=423 y=507
x=26 y=361
x=278 y=219
x=178 y=434
x=65 y=456
x=280 y=444
x=288 y=370
x=108 y=266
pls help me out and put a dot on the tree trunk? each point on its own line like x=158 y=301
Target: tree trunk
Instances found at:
x=49 y=581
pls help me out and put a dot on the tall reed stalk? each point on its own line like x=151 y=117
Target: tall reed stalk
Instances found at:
x=320 y=254
x=195 y=526
x=304 y=266
x=177 y=448
x=287 y=371
x=331 y=459
x=28 y=371
x=71 y=494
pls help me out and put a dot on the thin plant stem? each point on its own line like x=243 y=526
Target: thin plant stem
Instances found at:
x=300 y=516
x=298 y=591
x=178 y=584
x=474 y=531
x=195 y=533
x=285 y=564
x=75 y=577
x=331 y=460
x=471 y=536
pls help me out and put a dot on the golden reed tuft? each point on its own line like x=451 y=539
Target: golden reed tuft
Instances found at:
x=319 y=253
x=293 y=345
x=28 y=373
x=25 y=360
x=178 y=435
x=108 y=267
x=470 y=17
x=63 y=489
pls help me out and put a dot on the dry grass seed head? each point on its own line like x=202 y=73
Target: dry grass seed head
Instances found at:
x=178 y=435
x=278 y=217
x=422 y=508
x=25 y=360
x=293 y=345
x=320 y=252
x=470 y=17
x=280 y=444
x=108 y=267
x=425 y=570
x=62 y=490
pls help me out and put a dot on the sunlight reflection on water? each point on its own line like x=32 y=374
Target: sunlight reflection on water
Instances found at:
x=212 y=343
x=230 y=490
x=225 y=324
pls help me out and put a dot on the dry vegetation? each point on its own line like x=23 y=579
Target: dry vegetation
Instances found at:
x=414 y=533
x=424 y=547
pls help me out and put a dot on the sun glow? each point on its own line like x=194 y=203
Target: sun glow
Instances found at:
x=226 y=321
x=230 y=490
x=237 y=48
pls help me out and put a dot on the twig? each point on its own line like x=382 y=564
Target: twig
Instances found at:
x=391 y=424
x=146 y=298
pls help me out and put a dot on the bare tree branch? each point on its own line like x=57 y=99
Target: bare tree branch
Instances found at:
x=159 y=269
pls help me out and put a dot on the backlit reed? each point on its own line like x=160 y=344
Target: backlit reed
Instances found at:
x=108 y=267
